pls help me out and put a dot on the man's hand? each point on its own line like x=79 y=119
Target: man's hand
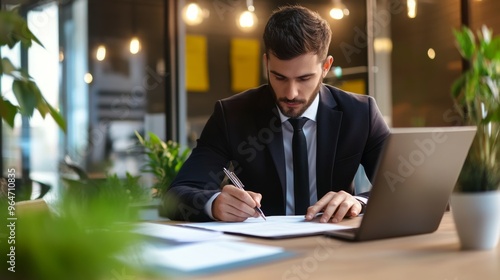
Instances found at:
x=235 y=205
x=335 y=206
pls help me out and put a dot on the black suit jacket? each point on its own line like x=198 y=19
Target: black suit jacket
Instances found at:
x=245 y=129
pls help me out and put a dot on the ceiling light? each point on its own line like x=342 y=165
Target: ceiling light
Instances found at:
x=100 y=54
x=339 y=10
x=248 y=20
x=87 y=78
x=412 y=8
x=135 y=45
x=193 y=14
x=431 y=53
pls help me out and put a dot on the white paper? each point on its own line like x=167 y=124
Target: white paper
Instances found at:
x=177 y=233
x=274 y=227
x=206 y=255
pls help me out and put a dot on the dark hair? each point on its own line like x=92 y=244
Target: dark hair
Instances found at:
x=295 y=30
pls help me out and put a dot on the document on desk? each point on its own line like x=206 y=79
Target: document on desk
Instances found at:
x=275 y=227
x=209 y=257
x=175 y=234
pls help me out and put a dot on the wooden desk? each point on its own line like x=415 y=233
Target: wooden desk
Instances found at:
x=430 y=256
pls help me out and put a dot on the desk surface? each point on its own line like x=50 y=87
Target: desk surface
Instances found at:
x=429 y=256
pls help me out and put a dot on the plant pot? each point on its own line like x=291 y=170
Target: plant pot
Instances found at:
x=477 y=219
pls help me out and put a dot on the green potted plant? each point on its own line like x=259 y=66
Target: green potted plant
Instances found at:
x=476 y=93
x=164 y=160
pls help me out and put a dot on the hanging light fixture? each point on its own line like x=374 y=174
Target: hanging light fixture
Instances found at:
x=100 y=54
x=193 y=14
x=247 y=21
x=339 y=10
x=411 y=6
x=135 y=43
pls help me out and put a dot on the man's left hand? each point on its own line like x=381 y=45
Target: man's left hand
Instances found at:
x=335 y=206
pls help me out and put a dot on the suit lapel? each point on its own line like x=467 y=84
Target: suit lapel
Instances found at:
x=328 y=126
x=271 y=121
x=277 y=150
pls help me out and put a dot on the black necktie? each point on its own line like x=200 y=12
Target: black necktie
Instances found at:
x=300 y=166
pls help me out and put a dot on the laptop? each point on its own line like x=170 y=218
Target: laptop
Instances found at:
x=416 y=173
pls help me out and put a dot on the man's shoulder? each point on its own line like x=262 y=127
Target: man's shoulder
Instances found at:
x=345 y=98
x=342 y=94
x=249 y=102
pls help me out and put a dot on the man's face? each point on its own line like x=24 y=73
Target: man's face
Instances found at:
x=296 y=82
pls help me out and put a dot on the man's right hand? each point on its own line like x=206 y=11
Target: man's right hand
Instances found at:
x=235 y=205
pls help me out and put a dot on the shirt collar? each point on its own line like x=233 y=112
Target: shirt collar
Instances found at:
x=310 y=112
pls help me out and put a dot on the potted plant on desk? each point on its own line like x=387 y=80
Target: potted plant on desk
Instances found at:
x=476 y=200
x=163 y=162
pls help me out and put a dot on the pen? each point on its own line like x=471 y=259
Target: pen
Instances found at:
x=236 y=181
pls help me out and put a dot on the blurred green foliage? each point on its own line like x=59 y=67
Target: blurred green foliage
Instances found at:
x=164 y=160
x=82 y=239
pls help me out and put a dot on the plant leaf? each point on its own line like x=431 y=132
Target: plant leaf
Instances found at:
x=6 y=67
x=15 y=29
x=466 y=42
x=58 y=118
x=25 y=97
x=41 y=103
x=154 y=139
x=492 y=50
x=141 y=140
x=8 y=111
x=6 y=28
x=486 y=34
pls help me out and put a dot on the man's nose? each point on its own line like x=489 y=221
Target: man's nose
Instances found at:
x=291 y=90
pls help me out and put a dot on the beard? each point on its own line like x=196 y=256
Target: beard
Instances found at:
x=298 y=111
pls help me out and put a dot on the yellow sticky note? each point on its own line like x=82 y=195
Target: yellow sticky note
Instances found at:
x=196 y=63
x=354 y=86
x=245 y=61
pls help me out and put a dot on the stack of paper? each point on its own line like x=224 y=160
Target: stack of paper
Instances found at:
x=274 y=227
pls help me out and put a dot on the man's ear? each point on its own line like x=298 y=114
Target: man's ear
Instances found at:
x=327 y=65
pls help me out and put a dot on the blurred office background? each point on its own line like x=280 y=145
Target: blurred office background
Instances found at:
x=113 y=67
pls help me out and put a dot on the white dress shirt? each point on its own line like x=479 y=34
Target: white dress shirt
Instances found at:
x=309 y=129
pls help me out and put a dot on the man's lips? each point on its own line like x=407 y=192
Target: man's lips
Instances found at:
x=292 y=103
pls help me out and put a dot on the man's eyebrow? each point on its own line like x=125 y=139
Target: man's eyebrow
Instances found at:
x=277 y=74
x=299 y=77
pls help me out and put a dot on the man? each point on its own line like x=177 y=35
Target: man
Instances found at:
x=252 y=132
